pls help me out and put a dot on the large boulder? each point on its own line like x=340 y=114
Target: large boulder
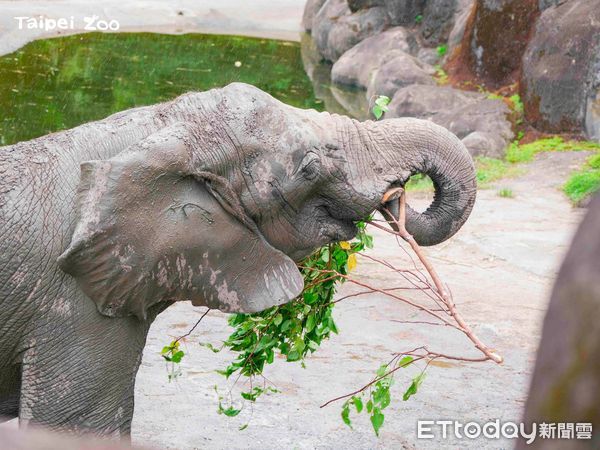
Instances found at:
x=335 y=29
x=560 y=80
x=397 y=72
x=311 y=9
x=354 y=67
x=480 y=122
x=404 y=12
x=565 y=387
x=438 y=19
x=384 y=61
x=355 y=5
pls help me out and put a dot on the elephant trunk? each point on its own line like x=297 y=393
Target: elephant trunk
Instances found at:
x=405 y=147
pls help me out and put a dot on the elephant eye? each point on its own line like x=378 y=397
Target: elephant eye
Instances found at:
x=311 y=167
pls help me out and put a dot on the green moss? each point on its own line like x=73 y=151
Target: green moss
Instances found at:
x=526 y=152
x=585 y=181
x=440 y=75
x=517 y=104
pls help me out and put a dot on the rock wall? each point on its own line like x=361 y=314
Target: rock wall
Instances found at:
x=565 y=386
x=338 y=25
x=385 y=47
x=546 y=50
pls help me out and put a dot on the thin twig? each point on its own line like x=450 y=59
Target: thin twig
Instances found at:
x=194 y=327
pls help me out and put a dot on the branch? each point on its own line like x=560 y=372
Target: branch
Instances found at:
x=447 y=299
x=445 y=303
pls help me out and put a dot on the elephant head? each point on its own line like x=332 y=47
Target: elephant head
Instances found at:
x=235 y=186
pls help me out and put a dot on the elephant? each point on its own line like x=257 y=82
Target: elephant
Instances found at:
x=211 y=198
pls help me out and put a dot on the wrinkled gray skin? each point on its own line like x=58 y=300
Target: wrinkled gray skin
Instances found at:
x=210 y=198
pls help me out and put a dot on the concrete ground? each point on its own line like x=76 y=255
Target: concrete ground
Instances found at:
x=278 y=19
x=500 y=268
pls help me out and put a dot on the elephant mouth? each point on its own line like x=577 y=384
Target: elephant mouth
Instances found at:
x=338 y=227
x=324 y=225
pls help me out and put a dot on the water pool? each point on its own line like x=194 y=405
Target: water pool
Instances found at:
x=55 y=84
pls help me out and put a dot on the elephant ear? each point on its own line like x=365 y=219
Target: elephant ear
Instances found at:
x=149 y=229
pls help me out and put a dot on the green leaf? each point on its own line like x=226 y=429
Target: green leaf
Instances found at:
x=211 y=347
x=310 y=323
x=332 y=326
x=270 y=356
x=405 y=361
x=377 y=112
x=277 y=320
x=382 y=370
x=357 y=403
x=384 y=398
x=380 y=106
x=229 y=411
x=177 y=356
x=377 y=419
x=382 y=101
x=165 y=350
x=299 y=345
x=412 y=389
x=243 y=427
x=346 y=414
x=252 y=395
x=310 y=297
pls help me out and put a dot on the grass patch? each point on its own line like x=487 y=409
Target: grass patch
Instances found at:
x=488 y=171
x=506 y=193
x=492 y=169
x=585 y=181
x=579 y=186
x=419 y=183
x=526 y=152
